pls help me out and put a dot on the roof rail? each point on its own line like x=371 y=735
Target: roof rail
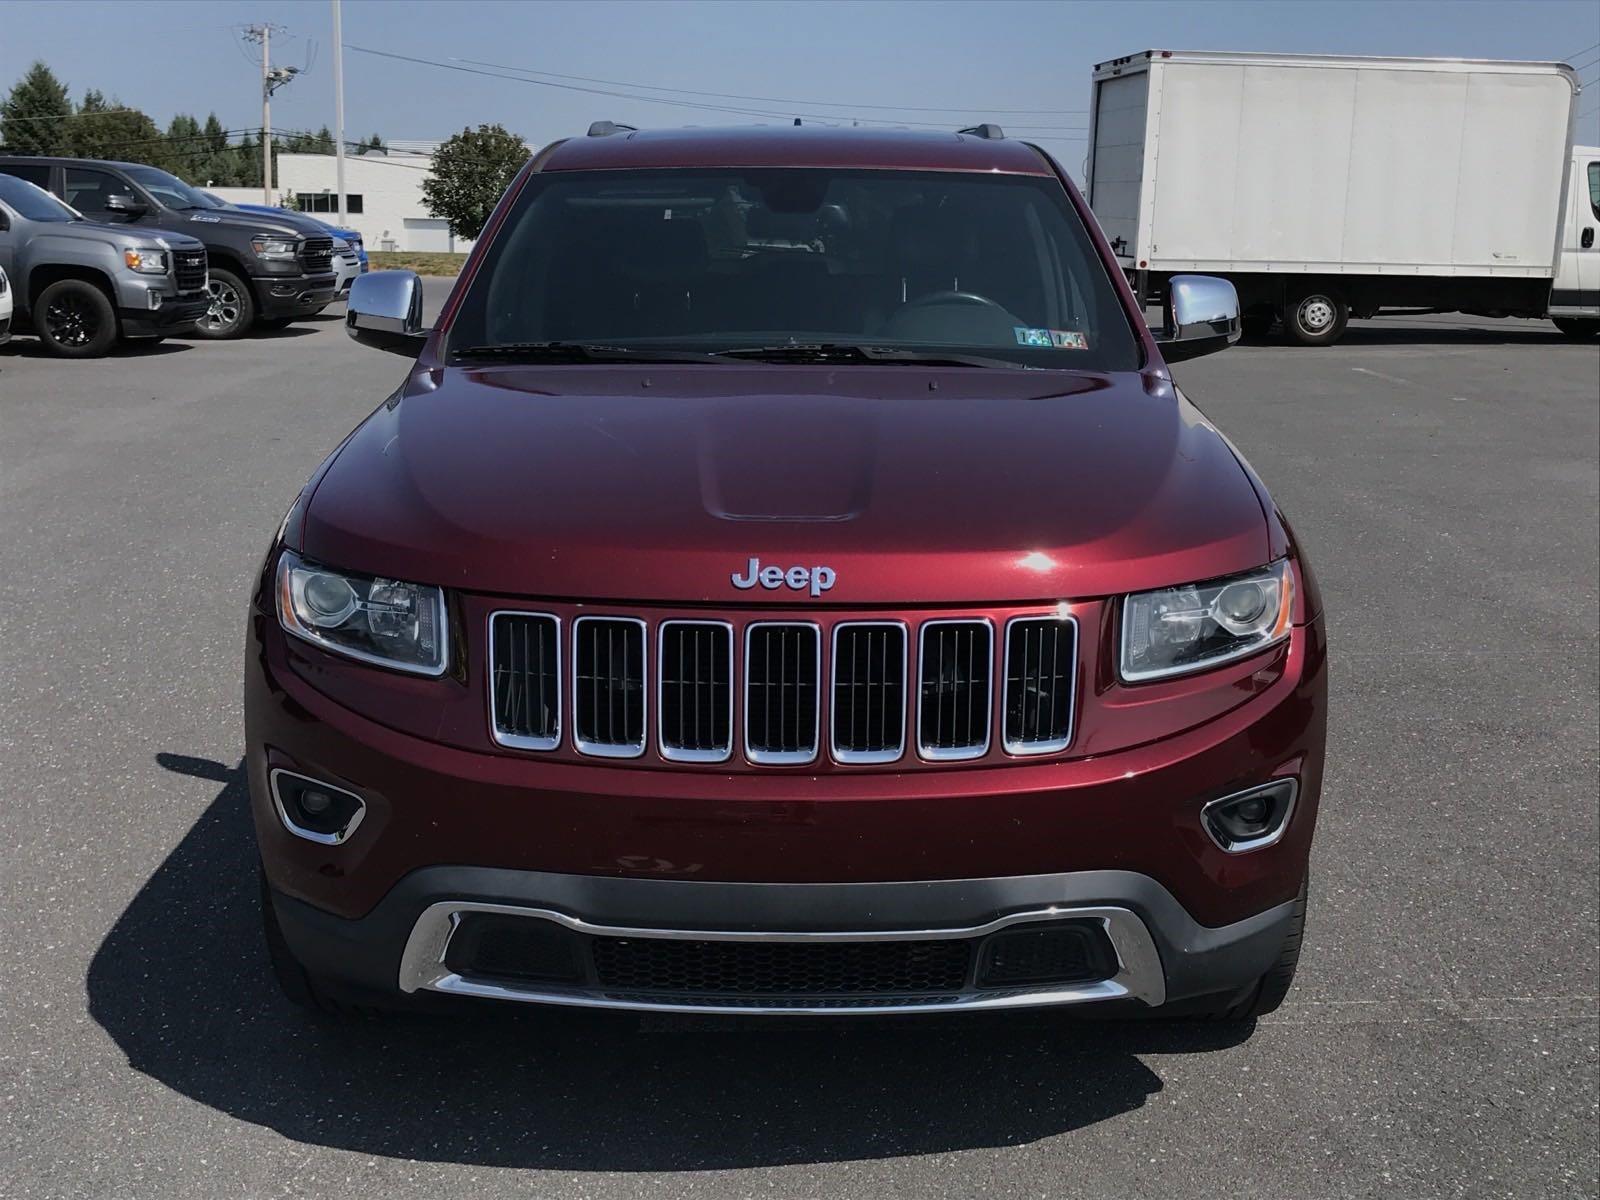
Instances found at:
x=990 y=132
x=607 y=128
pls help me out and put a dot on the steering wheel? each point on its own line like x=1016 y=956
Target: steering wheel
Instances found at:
x=971 y=299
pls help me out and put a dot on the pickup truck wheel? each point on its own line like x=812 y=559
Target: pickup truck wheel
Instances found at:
x=1317 y=318
x=75 y=320
x=1577 y=329
x=232 y=310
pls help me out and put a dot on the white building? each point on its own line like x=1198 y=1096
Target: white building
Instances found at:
x=383 y=196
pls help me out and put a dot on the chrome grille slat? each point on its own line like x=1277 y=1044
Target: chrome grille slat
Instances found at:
x=782 y=676
x=525 y=679
x=1041 y=684
x=868 y=696
x=608 y=686
x=694 y=690
x=956 y=689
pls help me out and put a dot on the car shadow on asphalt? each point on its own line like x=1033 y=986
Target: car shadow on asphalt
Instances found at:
x=27 y=346
x=182 y=985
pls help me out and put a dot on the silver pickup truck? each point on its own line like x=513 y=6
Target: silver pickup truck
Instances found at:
x=80 y=286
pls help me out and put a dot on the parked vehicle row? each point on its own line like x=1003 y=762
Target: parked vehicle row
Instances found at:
x=69 y=218
x=81 y=286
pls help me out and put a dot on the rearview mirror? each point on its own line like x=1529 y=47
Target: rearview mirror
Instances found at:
x=385 y=312
x=127 y=205
x=1202 y=317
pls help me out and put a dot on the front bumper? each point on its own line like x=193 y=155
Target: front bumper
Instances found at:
x=176 y=314
x=294 y=295
x=1159 y=953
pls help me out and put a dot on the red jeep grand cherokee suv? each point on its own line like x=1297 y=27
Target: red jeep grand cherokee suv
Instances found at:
x=787 y=580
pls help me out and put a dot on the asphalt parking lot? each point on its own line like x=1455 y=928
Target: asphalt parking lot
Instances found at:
x=1441 y=1040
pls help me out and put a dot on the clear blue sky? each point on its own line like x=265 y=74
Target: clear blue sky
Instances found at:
x=814 y=57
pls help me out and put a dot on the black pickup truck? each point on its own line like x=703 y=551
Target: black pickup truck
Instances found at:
x=265 y=270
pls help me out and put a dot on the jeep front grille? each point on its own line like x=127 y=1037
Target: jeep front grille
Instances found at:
x=939 y=690
x=1041 y=659
x=957 y=686
x=869 y=692
x=608 y=694
x=782 y=692
x=525 y=677
x=694 y=699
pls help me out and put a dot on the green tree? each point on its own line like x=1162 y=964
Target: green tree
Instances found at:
x=108 y=129
x=34 y=117
x=186 y=149
x=373 y=145
x=471 y=171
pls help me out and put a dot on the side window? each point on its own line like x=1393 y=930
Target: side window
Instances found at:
x=1594 y=188
x=87 y=191
x=38 y=176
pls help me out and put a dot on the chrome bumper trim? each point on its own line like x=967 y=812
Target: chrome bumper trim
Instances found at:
x=1139 y=973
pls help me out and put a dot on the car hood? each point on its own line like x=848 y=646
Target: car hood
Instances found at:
x=659 y=484
x=285 y=224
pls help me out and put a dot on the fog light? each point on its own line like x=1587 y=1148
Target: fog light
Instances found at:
x=315 y=802
x=1252 y=819
x=315 y=811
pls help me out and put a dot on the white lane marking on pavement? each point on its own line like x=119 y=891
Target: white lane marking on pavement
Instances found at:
x=1381 y=375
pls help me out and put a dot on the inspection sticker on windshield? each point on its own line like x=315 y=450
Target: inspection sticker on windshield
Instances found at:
x=1050 y=339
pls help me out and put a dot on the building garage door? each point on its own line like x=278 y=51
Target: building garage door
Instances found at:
x=426 y=233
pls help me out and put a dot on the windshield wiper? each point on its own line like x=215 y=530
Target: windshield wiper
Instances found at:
x=849 y=352
x=581 y=352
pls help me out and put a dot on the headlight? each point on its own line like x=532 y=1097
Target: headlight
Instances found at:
x=146 y=262
x=383 y=621
x=1182 y=629
x=274 y=248
x=340 y=245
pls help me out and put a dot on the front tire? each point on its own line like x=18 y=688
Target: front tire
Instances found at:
x=1317 y=318
x=1577 y=329
x=232 y=310
x=299 y=986
x=75 y=319
x=1269 y=991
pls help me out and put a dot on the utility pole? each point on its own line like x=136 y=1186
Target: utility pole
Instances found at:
x=272 y=78
x=338 y=109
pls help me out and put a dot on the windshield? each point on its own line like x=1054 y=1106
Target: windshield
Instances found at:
x=935 y=262
x=33 y=203
x=170 y=190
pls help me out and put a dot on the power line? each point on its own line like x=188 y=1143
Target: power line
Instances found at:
x=752 y=112
x=651 y=87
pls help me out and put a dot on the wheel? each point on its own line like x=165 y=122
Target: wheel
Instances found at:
x=273 y=322
x=299 y=986
x=74 y=319
x=1578 y=329
x=233 y=307
x=1268 y=992
x=1317 y=318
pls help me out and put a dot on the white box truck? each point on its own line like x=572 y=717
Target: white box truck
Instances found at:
x=1329 y=187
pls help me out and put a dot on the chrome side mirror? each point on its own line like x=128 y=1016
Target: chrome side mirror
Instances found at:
x=385 y=312
x=1202 y=317
x=128 y=205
